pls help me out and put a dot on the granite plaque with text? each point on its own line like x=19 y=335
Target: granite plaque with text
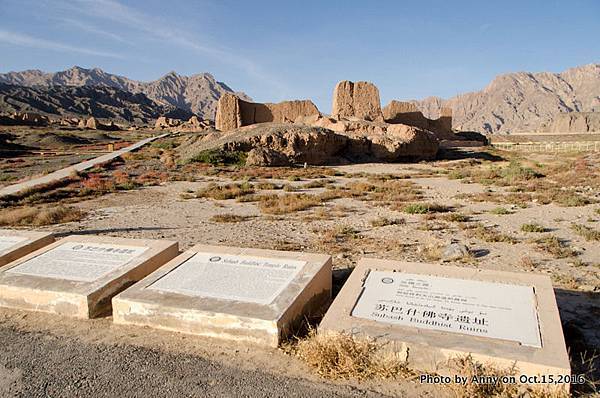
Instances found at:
x=477 y=308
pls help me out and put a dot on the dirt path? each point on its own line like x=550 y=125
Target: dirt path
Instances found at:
x=66 y=172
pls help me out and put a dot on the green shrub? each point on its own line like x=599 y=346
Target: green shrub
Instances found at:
x=424 y=208
x=533 y=228
x=219 y=157
x=500 y=211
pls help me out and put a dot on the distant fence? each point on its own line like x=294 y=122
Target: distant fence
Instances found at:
x=574 y=146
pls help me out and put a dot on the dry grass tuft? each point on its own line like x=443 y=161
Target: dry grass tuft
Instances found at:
x=586 y=232
x=289 y=203
x=392 y=193
x=432 y=252
x=554 y=246
x=473 y=371
x=527 y=262
x=502 y=211
x=283 y=204
x=455 y=217
x=425 y=208
x=224 y=192
x=343 y=356
x=384 y=221
x=35 y=216
x=489 y=234
x=533 y=227
x=229 y=218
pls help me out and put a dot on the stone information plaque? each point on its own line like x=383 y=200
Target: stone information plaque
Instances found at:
x=8 y=242
x=477 y=308
x=79 y=261
x=241 y=278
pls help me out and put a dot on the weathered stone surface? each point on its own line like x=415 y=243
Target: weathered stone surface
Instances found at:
x=359 y=100
x=94 y=124
x=229 y=115
x=521 y=102
x=233 y=112
x=164 y=122
x=445 y=118
x=284 y=144
x=380 y=141
x=404 y=143
x=193 y=124
x=404 y=113
x=400 y=112
x=455 y=251
x=24 y=119
x=573 y=122
x=33 y=118
x=266 y=157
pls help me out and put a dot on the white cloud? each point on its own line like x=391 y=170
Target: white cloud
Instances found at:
x=115 y=11
x=19 y=39
x=94 y=30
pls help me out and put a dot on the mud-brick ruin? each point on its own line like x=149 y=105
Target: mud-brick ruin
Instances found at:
x=284 y=133
x=351 y=101
x=233 y=112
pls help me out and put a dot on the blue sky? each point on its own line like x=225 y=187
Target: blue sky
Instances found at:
x=277 y=50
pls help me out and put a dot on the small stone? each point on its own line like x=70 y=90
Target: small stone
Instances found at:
x=455 y=251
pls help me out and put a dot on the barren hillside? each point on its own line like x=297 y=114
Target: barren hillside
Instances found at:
x=522 y=102
x=197 y=93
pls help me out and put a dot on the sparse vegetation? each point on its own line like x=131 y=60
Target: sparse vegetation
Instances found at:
x=384 y=221
x=38 y=216
x=315 y=184
x=224 y=192
x=515 y=171
x=551 y=244
x=218 y=157
x=533 y=227
x=343 y=356
x=500 y=211
x=283 y=204
x=455 y=217
x=424 y=208
x=489 y=234
x=165 y=144
x=586 y=232
x=229 y=218
x=267 y=186
x=472 y=370
x=432 y=252
x=527 y=262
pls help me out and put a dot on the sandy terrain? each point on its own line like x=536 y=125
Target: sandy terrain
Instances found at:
x=346 y=228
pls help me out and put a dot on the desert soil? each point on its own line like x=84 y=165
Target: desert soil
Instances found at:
x=48 y=356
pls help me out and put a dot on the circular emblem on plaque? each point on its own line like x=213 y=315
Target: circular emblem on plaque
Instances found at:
x=214 y=259
x=387 y=281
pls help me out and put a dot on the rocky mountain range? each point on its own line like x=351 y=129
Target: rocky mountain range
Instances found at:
x=197 y=93
x=521 y=102
x=76 y=101
x=511 y=103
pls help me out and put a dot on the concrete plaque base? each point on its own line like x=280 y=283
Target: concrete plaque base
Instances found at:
x=431 y=314
x=251 y=295
x=15 y=243
x=78 y=275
